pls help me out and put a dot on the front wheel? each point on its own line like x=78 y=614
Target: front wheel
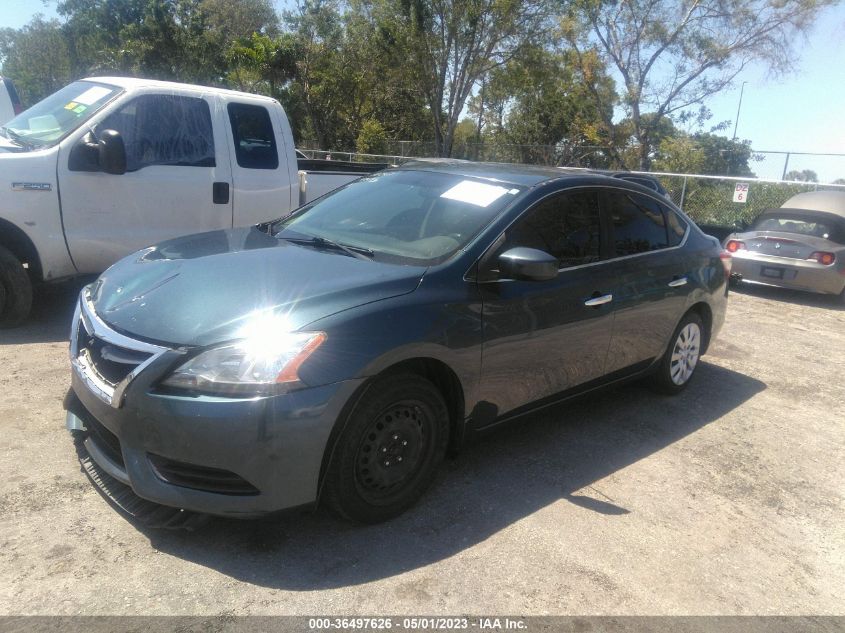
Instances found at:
x=388 y=453
x=16 y=295
x=678 y=364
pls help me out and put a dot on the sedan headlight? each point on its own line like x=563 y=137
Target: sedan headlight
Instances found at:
x=252 y=366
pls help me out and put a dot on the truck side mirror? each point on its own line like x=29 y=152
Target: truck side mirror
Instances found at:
x=85 y=155
x=112 y=152
x=529 y=264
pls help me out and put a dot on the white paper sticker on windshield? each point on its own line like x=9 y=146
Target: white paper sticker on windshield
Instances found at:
x=92 y=94
x=478 y=193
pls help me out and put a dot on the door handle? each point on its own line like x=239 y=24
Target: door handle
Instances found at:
x=676 y=283
x=598 y=301
x=220 y=193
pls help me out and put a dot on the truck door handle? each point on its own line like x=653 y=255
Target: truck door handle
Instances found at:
x=676 y=283
x=220 y=193
x=598 y=301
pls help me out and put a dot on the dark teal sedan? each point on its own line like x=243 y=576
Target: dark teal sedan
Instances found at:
x=336 y=355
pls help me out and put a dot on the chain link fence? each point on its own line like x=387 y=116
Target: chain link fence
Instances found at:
x=708 y=200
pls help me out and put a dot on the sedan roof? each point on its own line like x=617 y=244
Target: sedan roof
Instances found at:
x=526 y=175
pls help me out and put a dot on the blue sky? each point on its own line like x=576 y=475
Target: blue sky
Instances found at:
x=802 y=112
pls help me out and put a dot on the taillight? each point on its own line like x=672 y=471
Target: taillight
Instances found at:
x=823 y=257
x=734 y=245
x=727 y=262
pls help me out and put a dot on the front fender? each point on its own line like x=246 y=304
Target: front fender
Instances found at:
x=365 y=341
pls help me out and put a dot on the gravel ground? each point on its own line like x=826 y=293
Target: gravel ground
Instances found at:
x=728 y=499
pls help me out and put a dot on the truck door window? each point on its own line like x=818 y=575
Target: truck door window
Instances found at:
x=164 y=130
x=255 y=142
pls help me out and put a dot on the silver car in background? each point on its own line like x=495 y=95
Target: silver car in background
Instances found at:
x=800 y=245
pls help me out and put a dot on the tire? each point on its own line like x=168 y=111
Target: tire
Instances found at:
x=677 y=367
x=17 y=290
x=388 y=453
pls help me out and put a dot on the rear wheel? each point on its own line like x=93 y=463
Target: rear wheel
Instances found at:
x=388 y=454
x=678 y=364
x=16 y=295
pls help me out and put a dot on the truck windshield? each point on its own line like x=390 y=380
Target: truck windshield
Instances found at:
x=54 y=117
x=411 y=217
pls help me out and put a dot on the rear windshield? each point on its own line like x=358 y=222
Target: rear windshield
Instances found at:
x=413 y=217
x=812 y=224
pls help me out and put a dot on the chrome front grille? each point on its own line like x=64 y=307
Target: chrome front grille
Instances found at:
x=111 y=363
x=104 y=359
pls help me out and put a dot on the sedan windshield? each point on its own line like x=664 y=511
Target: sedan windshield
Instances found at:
x=415 y=217
x=52 y=118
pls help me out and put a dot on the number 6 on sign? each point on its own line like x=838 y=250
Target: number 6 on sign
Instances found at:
x=741 y=192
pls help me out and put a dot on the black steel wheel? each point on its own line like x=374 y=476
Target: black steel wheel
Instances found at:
x=389 y=450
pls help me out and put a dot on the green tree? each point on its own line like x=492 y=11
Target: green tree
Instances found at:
x=36 y=56
x=447 y=48
x=185 y=40
x=263 y=64
x=804 y=175
x=672 y=54
x=703 y=153
x=372 y=139
x=325 y=77
x=228 y=20
x=536 y=102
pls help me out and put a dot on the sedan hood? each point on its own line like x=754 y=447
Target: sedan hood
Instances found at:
x=203 y=289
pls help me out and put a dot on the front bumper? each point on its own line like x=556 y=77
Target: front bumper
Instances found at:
x=213 y=455
x=276 y=444
x=785 y=272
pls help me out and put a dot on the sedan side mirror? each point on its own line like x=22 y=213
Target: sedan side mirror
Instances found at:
x=112 y=152
x=529 y=264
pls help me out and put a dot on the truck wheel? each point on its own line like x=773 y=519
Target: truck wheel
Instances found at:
x=388 y=454
x=16 y=298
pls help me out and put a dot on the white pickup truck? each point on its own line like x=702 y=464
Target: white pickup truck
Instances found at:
x=109 y=165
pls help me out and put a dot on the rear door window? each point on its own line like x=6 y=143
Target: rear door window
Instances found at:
x=639 y=225
x=255 y=142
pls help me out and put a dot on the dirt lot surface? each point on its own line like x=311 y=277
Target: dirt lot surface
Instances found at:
x=728 y=499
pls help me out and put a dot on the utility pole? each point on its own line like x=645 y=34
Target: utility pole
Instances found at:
x=738 y=108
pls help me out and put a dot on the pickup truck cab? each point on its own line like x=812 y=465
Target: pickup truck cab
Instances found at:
x=109 y=165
